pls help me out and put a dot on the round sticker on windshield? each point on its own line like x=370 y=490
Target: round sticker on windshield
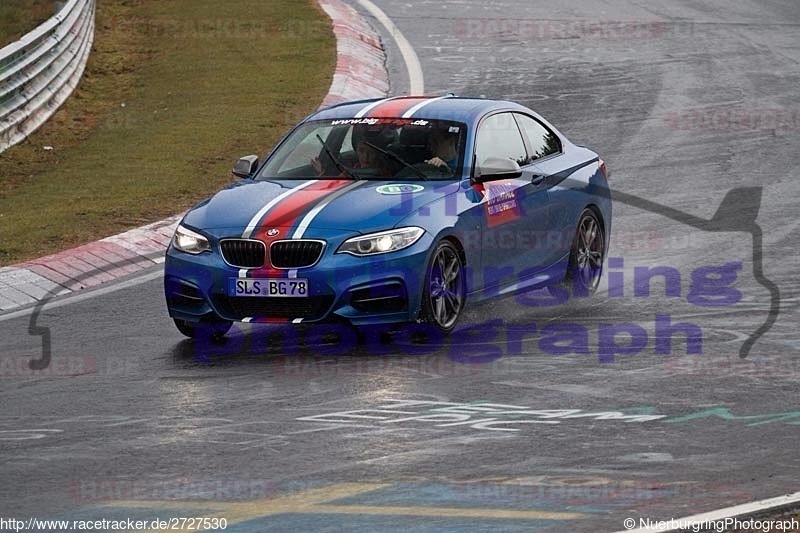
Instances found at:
x=400 y=188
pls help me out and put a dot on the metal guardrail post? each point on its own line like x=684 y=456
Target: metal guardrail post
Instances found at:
x=40 y=71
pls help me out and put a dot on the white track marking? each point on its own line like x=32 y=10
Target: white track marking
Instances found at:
x=79 y=296
x=728 y=512
x=416 y=84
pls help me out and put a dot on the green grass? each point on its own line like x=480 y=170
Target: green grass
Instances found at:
x=163 y=111
x=18 y=17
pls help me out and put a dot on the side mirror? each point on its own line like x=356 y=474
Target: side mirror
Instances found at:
x=245 y=166
x=497 y=168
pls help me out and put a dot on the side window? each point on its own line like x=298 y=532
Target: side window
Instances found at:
x=541 y=140
x=499 y=136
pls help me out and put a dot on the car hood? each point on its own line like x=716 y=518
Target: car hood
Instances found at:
x=343 y=205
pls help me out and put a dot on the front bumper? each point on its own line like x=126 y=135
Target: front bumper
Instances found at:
x=380 y=289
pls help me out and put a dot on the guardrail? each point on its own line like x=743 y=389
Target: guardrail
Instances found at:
x=40 y=71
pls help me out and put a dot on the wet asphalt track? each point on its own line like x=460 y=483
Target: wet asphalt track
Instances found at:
x=492 y=428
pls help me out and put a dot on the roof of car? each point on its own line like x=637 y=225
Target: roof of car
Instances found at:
x=447 y=107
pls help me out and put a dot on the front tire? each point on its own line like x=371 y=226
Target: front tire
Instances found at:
x=185 y=327
x=215 y=330
x=586 y=255
x=445 y=288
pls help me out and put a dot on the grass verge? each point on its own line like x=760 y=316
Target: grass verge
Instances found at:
x=173 y=93
x=18 y=17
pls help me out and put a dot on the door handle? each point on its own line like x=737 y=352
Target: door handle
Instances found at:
x=536 y=179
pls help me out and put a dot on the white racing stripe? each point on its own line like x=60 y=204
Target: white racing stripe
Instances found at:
x=370 y=107
x=306 y=222
x=410 y=112
x=253 y=224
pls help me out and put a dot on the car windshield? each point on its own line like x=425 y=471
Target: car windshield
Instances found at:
x=371 y=149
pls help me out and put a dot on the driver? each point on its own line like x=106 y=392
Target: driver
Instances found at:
x=444 y=149
x=367 y=156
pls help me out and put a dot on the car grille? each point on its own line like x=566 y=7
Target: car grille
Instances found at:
x=243 y=253
x=239 y=307
x=295 y=253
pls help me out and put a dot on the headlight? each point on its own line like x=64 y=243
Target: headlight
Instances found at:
x=189 y=241
x=381 y=243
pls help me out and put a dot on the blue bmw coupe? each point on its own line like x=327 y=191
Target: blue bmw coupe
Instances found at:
x=392 y=211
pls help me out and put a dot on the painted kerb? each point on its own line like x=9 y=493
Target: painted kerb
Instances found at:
x=40 y=71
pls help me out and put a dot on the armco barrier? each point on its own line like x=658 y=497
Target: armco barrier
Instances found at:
x=40 y=71
x=360 y=73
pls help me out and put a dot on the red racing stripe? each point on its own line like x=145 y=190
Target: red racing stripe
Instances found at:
x=270 y=320
x=395 y=108
x=284 y=216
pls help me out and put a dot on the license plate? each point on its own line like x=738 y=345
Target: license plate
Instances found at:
x=275 y=288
